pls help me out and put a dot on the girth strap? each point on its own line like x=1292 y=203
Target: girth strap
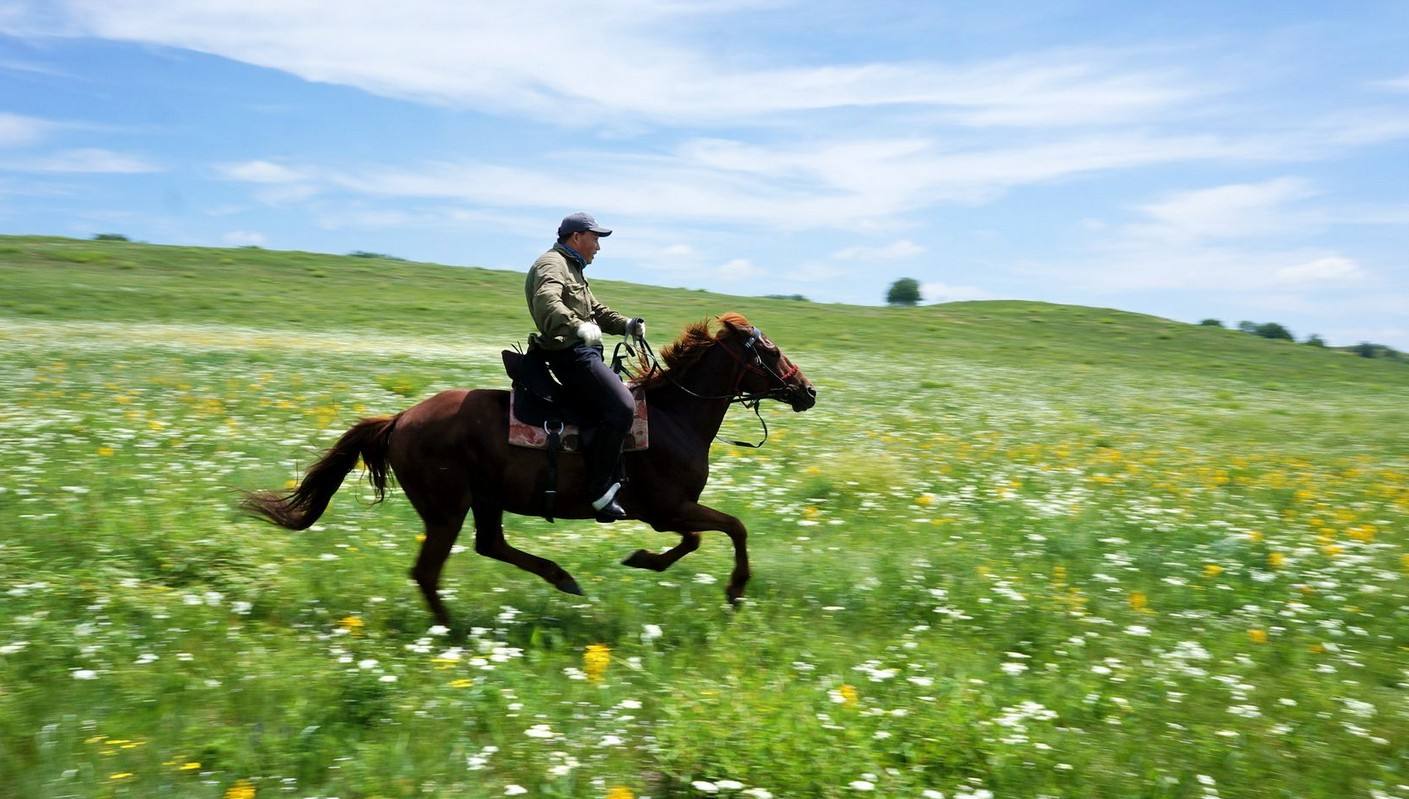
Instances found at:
x=554 y=429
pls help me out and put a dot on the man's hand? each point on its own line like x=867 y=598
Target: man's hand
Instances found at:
x=636 y=328
x=590 y=334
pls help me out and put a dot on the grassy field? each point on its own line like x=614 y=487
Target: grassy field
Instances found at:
x=1017 y=550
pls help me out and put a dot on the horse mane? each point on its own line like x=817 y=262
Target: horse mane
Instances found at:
x=692 y=344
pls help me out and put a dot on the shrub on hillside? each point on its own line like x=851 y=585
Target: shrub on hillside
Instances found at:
x=110 y=237
x=905 y=291
x=1274 y=331
x=1211 y=323
x=1315 y=340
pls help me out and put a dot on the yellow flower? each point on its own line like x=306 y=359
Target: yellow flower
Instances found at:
x=595 y=661
x=1258 y=636
x=352 y=624
x=1276 y=559
x=122 y=775
x=190 y=766
x=106 y=452
x=1332 y=550
x=848 y=694
x=925 y=499
x=620 y=792
x=1254 y=536
x=240 y=790
x=1138 y=600
x=1212 y=570
x=463 y=682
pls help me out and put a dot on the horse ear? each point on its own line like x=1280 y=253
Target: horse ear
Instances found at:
x=735 y=322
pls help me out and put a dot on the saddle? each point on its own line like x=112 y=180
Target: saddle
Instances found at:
x=540 y=407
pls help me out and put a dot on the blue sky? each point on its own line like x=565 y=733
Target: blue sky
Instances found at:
x=1237 y=161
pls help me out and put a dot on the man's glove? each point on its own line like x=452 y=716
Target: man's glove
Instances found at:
x=590 y=334
x=636 y=328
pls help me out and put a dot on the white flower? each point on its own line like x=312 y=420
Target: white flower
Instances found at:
x=368 y=663
x=610 y=740
x=540 y=731
x=705 y=579
x=10 y=649
x=241 y=607
x=85 y=674
x=387 y=678
x=438 y=629
x=650 y=632
x=1137 y=629
x=1014 y=669
x=862 y=785
x=704 y=787
x=514 y=790
x=759 y=793
x=729 y=785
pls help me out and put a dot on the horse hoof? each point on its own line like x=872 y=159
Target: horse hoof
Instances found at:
x=640 y=559
x=734 y=595
x=569 y=586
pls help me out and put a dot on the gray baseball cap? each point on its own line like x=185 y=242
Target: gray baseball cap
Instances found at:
x=580 y=221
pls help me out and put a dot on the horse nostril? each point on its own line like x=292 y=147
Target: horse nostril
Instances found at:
x=812 y=392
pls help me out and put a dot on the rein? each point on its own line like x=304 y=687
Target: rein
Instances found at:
x=752 y=401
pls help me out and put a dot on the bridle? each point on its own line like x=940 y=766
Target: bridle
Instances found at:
x=748 y=361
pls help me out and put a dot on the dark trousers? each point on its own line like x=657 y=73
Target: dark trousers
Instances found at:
x=609 y=409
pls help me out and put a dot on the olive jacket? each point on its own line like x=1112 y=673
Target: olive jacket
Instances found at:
x=559 y=300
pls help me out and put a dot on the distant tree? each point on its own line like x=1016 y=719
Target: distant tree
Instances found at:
x=793 y=297
x=1211 y=323
x=383 y=256
x=110 y=237
x=1248 y=327
x=905 y=291
x=1365 y=349
x=1274 y=331
x=1315 y=340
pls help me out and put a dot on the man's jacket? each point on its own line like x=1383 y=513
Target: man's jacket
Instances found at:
x=560 y=300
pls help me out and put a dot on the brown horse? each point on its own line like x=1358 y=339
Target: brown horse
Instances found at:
x=451 y=455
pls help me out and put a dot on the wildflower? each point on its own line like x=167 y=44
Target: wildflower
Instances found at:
x=1258 y=636
x=845 y=695
x=85 y=674
x=595 y=661
x=514 y=790
x=862 y=785
x=704 y=787
x=352 y=624
x=1138 y=600
x=1276 y=559
x=650 y=632
x=729 y=785
x=240 y=790
x=620 y=792
x=190 y=765
x=106 y=452
x=121 y=775
x=462 y=683
x=1212 y=570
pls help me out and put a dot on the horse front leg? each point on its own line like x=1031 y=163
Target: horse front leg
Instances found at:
x=692 y=519
x=489 y=541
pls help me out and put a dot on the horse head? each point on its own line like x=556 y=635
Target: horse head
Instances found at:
x=767 y=373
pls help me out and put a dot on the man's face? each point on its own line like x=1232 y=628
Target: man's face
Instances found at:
x=586 y=244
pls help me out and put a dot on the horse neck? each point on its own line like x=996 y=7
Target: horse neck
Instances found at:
x=711 y=376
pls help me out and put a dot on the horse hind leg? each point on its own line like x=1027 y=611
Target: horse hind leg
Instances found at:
x=440 y=539
x=490 y=542
x=692 y=519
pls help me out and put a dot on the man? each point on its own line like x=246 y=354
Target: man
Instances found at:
x=570 y=325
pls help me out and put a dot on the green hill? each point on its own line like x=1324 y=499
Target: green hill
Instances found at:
x=1021 y=548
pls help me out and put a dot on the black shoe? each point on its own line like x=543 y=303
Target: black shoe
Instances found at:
x=611 y=512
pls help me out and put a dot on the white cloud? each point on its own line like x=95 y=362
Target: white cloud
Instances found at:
x=737 y=270
x=261 y=172
x=91 y=160
x=897 y=250
x=1329 y=269
x=1234 y=211
x=1400 y=84
x=16 y=130
x=630 y=58
x=244 y=238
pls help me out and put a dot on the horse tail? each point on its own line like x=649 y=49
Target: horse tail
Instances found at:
x=300 y=508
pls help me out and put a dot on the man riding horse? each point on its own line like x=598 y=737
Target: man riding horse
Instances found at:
x=570 y=324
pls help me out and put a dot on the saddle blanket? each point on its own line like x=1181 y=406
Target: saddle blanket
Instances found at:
x=535 y=437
